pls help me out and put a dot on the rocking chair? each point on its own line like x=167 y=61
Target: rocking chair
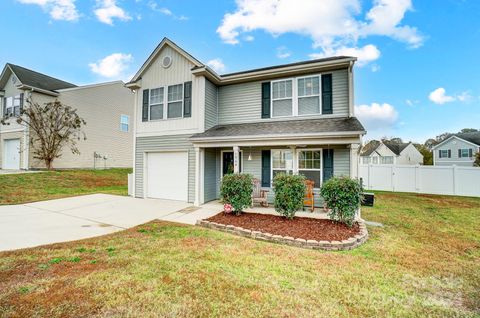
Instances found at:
x=259 y=195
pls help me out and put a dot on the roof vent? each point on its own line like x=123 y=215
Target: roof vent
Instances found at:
x=166 y=61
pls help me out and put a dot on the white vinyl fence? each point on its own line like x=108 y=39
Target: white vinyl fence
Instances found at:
x=450 y=180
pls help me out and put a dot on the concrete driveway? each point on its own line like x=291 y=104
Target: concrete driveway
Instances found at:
x=53 y=221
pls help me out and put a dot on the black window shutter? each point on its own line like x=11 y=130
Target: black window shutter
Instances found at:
x=327 y=107
x=327 y=164
x=21 y=102
x=459 y=153
x=449 y=153
x=266 y=100
x=4 y=107
x=266 y=168
x=145 y=105
x=187 y=99
x=470 y=152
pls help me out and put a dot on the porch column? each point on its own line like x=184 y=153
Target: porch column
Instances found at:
x=294 y=159
x=354 y=160
x=236 y=159
x=198 y=176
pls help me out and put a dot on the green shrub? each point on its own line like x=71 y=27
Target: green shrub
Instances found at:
x=236 y=189
x=289 y=194
x=343 y=197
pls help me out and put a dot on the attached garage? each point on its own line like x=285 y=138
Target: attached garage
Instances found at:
x=167 y=175
x=11 y=154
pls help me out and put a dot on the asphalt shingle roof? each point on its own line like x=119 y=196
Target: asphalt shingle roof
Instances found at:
x=38 y=80
x=369 y=148
x=287 y=127
x=396 y=148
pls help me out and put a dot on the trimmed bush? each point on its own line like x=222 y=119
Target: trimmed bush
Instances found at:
x=343 y=197
x=236 y=189
x=289 y=194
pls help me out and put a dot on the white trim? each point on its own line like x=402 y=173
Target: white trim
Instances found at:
x=279 y=142
x=89 y=86
x=272 y=136
x=134 y=130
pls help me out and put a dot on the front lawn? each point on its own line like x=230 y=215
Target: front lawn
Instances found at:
x=425 y=262
x=29 y=187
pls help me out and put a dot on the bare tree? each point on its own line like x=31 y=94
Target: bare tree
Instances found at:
x=53 y=126
x=476 y=163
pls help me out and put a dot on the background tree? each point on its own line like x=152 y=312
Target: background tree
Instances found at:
x=426 y=153
x=468 y=130
x=395 y=140
x=52 y=126
x=476 y=163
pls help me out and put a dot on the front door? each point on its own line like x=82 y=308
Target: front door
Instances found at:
x=227 y=162
x=12 y=154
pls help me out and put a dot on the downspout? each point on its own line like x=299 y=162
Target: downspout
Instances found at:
x=134 y=130
x=26 y=159
x=350 y=89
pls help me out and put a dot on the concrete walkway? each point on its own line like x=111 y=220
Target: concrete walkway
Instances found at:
x=53 y=221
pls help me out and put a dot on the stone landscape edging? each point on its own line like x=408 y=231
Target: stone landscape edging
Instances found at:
x=344 y=245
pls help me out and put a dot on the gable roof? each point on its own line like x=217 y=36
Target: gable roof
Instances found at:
x=369 y=147
x=396 y=148
x=37 y=80
x=301 y=127
x=473 y=137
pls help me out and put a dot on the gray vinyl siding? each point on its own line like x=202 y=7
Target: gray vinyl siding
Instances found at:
x=159 y=143
x=211 y=96
x=341 y=162
x=454 y=145
x=210 y=175
x=241 y=103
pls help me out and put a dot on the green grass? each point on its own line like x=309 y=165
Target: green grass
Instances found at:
x=30 y=187
x=424 y=262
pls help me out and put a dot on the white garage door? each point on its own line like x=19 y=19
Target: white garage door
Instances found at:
x=11 y=159
x=167 y=175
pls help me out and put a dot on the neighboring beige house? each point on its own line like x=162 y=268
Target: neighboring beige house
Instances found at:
x=390 y=153
x=106 y=108
x=459 y=149
x=193 y=126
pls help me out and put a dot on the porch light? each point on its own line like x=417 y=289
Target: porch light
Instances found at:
x=250 y=155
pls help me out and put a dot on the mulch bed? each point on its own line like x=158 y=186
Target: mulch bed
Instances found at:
x=299 y=227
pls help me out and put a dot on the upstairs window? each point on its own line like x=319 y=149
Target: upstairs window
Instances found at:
x=387 y=160
x=16 y=105
x=308 y=95
x=156 y=103
x=282 y=98
x=175 y=101
x=365 y=160
x=9 y=106
x=443 y=153
x=124 y=123
x=464 y=153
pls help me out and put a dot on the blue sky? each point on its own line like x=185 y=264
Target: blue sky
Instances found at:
x=418 y=69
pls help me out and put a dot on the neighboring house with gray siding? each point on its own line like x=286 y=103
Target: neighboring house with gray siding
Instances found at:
x=106 y=108
x=390 y=153
x=458 y=149
x=193 y=126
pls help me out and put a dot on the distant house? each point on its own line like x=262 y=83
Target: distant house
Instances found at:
x=385 y=153
x=106 y=108
x=458 y=149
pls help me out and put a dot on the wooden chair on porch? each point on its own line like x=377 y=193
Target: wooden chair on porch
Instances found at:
x=309 y=199
x=259 y=195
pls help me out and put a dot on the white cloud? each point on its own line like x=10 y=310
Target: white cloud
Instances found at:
x=365 y=54
x=440 y=97
x=377 y=116
x=217 y=65
x=112 y=66
x=464 y=97
x=249 y=38
x=333 y=25
x=107 y=10
x=58 y=9
x=154 y=6
x=410 y=102
x=283 y=53
x=375 y=68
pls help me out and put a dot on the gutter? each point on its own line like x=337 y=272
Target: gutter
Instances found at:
x=39 y=90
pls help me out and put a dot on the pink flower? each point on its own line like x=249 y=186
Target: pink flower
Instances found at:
x=227 y=208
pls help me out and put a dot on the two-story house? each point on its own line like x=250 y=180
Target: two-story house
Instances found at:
x=390 y=153
x=106 y=108
x=458 y=149
x=193 y=126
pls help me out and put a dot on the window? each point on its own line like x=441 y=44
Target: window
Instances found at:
x=443 y=153
x=124 y=122
x=156 y=103
x=9 y=106
x=375 y=160
x=387 y=160
x=282 y=161
x=308 y=95
x=365 y=160
x=464 y=153
x=16 y=105
x=310 y=165
x=282 y=98
x=175 y=101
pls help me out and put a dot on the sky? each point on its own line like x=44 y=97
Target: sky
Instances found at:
x=417 y=73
